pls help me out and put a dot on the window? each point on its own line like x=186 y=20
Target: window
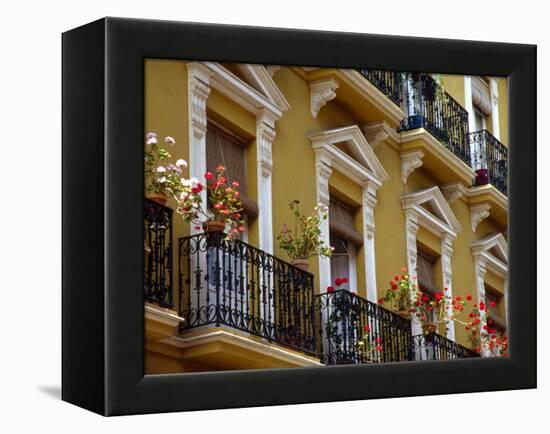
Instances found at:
x=228 y=149
x=425 y=264
x=345 y=239
x=493 y=296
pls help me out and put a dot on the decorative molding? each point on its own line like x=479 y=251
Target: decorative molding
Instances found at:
x=265 y=135
x=261 y=80
x=410 y=161
x=480 y=95
x=272 y=69
x=323 y=168
x=481 y=251
x=321 y=92
x=379 y=131
x=362 y=166
x=199 y=90
x=479 y=213
x=443 y=223
x=454 y=191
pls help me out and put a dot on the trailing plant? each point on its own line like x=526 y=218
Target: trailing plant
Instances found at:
x=160 y=175
x=304 y=240
x=224 y=197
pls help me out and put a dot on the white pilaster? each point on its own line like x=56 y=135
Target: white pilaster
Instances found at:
x=469 y=105
x=265 y=134
x=493 y=89
x=198 y=77
x=369 y=202
x=323 y=172
x=480 y=270
x=411 y=225
x=447 y=279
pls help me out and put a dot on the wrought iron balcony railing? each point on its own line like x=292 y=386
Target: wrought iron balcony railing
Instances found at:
x=426 y=105
x=490 y=160
x=352 y=327
x=235 y=284
x=436 y=347
x=158 y=254
x=388 y=82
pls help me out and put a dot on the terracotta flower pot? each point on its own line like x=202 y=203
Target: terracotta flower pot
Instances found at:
x=429 y=328
x=302 y=264
x=404 y=313
x=213 y=226
x=159 y=198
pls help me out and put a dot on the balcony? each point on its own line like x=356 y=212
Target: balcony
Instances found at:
x=237 y=301
x=234 y=284
x=490 y=159
x=388 y=82
x=352 y=327
x=429 y=108
x=158 y=254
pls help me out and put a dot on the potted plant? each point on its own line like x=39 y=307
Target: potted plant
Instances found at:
x=304 y=240
x=398 y=295
x=158 y=174
x=224 y=197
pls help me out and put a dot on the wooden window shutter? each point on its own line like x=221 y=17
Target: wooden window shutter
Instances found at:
x=229 y=150
x=425 y=265
x=342 y=222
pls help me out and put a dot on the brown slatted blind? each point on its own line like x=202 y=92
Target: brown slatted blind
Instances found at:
x=425 y=265
x=342 y=222
x=229 y=150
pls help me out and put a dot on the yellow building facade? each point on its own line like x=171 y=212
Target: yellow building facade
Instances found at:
x=412 y=169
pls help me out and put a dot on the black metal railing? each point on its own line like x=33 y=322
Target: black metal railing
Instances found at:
x=433 y=346
x=157 y=236
x=490 y=160
x=388 y=82
x=232 y=283
x=428 y=106
x=351 y=328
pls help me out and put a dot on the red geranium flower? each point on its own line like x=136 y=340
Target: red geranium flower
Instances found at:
x=338 y=282
x=330 y=289
x=481 y=305
x=209 y=176
x=469 y=297
x=378 y=340
x=366 y=328
x=492 y=303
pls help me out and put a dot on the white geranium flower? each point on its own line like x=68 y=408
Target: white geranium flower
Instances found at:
x=181 y=163
x=194 y=181
x=161 y=169
x=185 y=182
x=170 y=140
x=152 y=141
x=162 y=180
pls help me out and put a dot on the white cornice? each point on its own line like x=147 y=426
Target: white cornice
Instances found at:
x=240 y=92
x=412 y=203
x=262 y=80
x=364 y=165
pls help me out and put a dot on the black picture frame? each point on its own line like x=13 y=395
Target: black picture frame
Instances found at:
x=103 y=122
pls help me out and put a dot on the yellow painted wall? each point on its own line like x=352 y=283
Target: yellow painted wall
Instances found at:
x=294 y=169
x=503 y=109
x=454 y=86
